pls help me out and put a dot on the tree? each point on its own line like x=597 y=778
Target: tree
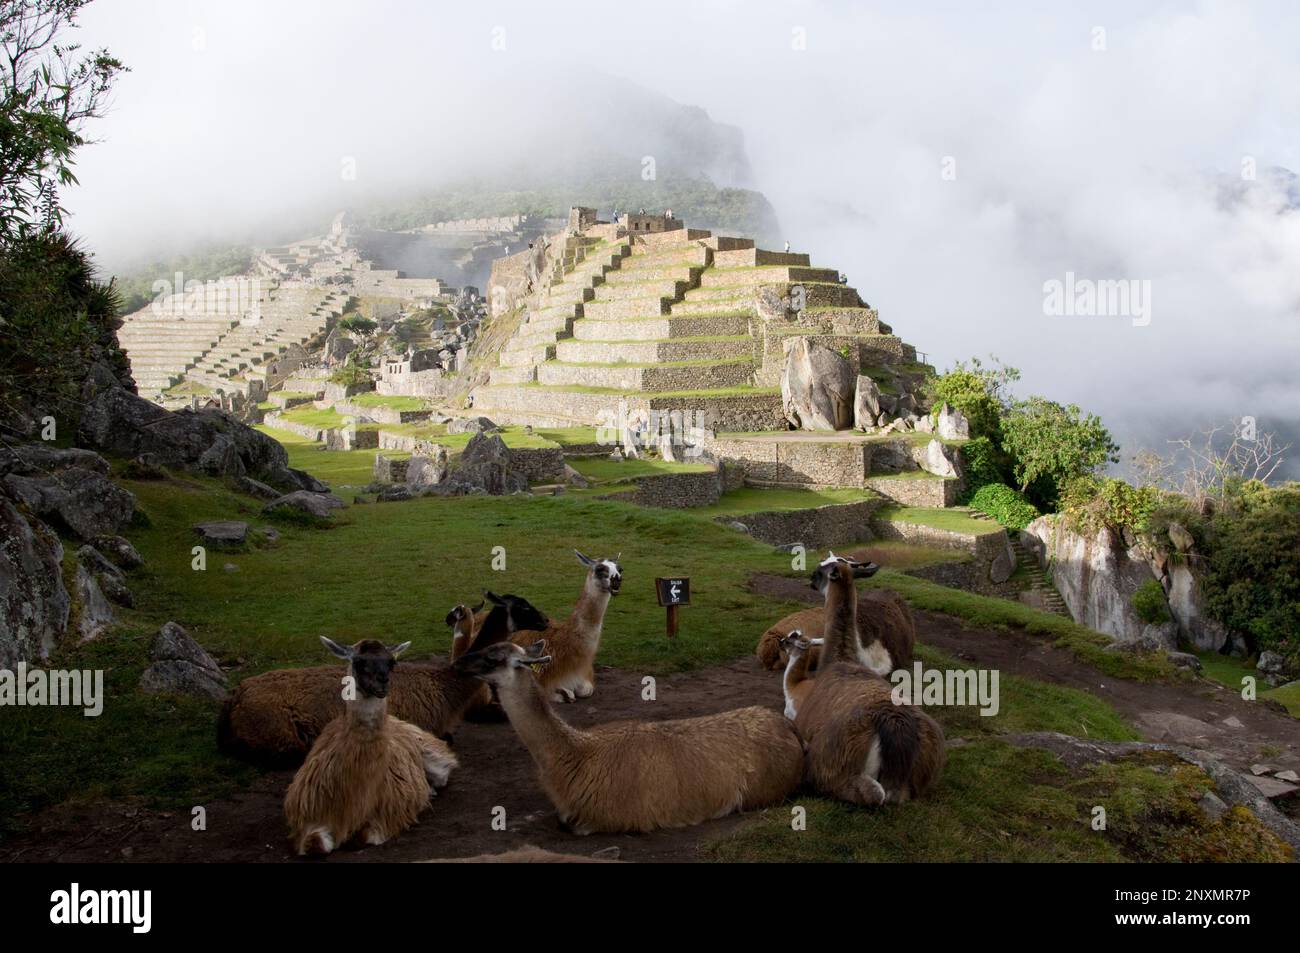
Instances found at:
x=1211 y=463
x=1050 y=444
x=982 y=393
x=358 y=325
x=49 y=89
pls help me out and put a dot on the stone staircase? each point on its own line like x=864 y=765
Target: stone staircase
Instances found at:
x=677 y=320
x=1043 y=592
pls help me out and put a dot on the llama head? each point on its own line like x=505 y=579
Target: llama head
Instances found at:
x=502 y=663
x=520 y=614
x=371 y=663
x=840 y=570
x=604 y=575
x=795 y=643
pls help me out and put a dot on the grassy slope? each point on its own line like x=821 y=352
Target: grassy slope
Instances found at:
x=996 y=802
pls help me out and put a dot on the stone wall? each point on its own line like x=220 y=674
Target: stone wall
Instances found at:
x=916 y=491
x=381 y=415
x=793 y=462
x=675 y=490
x=835 y=525
x=986 y=549
x=539 y=464
x=431 y=383
x=302 y=430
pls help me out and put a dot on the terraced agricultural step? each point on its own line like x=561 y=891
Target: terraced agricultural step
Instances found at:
x=685 y=256
x=648 y=289
x=647 y=377
x=736 y=305
x=757 y=257
x=687 y=273
x=672 y=237
x=626 y=308
x=649 y=329
x=560 y=311
x=649 y=352
x=560 y=324
x=526 y=356
x=565 y=406
x=528 y=342
x=727 y=243
x=513 y=375
x=747 y=277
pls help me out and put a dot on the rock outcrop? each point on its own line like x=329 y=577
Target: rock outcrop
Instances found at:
x=818 y=387
x=180 y=665
x=34 y=603
x=1097 y=576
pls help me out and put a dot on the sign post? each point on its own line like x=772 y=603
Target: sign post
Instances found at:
x=673 y=592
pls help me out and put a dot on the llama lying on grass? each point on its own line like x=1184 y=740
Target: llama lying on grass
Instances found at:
x=368 y=775
x=886 y=633
x=573 y=643
x=862 y=747
x=641 y=776
x=273 y=718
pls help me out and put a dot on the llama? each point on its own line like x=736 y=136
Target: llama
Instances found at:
x=573 y=643
x=368 y=775
x=797 y=682
x=642 y=776
x=886 y=634
x=862 y=747
x=273 y=718
x=464 y=623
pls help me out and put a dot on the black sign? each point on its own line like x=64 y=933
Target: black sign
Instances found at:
x=675 y=591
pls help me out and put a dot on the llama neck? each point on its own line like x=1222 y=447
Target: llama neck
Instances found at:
x=796 y=670
x=544 y=733
x=367 y=713
x=840 y=622
x=589 y=614
x=495 y=628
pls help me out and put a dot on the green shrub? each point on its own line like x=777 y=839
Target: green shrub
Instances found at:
x=983 y=465
x=979 y=392
x=1149 y=603
x=350 y=375
x=1090 y=502
x=1009 y=507
x=1051 y=444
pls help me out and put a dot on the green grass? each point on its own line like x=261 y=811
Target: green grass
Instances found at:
x=954 y=521
x=311 y=417
x=604 y=470
x=338 y=468
x=1003 y=803
x=391 y=402
x=756 y=500
x=1229 y=671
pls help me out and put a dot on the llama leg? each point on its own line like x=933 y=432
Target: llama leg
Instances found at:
x=317 y=841
x=437 y=767
x=585 y=687
x=562 y=695
x=372 y=835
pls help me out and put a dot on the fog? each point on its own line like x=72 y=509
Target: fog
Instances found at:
x=950 y=160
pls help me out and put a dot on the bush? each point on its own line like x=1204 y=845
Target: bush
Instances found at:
x=978 y=392
x=350 y=375
x=984 y=465
x=1051 y=444
x=1009 y=507
x=1089 y=503
x=1149 y=603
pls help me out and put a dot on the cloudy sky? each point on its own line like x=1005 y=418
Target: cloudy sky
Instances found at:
x=951 y=158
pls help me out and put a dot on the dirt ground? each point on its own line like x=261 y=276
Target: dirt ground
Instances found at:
x=496 y=770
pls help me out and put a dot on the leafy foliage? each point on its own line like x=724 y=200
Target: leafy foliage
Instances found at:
x=981 y=393
x=985 y=464
x=48 y=90
x=1009 y=507
x=1090 y=502
x=1052 y=444
x=1149 y=603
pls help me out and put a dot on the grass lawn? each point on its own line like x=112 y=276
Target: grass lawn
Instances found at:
x=762 y=500
x=954 y=521
x=605 y=470
x=338 y=468
x=1229 y=671
x=391 y=402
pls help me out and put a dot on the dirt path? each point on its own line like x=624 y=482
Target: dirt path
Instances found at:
x=497 y=771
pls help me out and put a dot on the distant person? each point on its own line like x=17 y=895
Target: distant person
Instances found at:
x=669 y=215
x=787 y=248
x=642 y=212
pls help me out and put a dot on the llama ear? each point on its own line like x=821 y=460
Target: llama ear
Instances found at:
x=864 y=570
x=585 y=560
x=397 y=650
x=493 y=598
x=342 y=651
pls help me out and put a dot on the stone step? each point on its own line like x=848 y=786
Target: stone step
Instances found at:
x=687 y=273
x=743 y=306
x=647 y=377
x=685 y=256
x=565 y=406
x=772 y=274
x=513 y=375
x=649 y=352
x=649 y=329
x=727 y=243
x=561 y=295
x=527 y=342
x=526 y=356
x=677 y=236
x=626 y=308
x=647 y=289
x=559 y=323
x=757 y=257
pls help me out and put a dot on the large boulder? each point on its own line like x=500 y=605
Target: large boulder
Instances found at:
x=471 y=425
x=1097 y=576
x=485 y=465
x=180 y=665
x=119 y=550
x=222 y=532
x=319 y=505
x=941 y=460
x=83 y=501
x=34 y=603
x=866 y=404
x=817 y=387
x=1187 y=606
x=94 y=613
x=211 y=441
x=952 y=424
x=427 y=470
